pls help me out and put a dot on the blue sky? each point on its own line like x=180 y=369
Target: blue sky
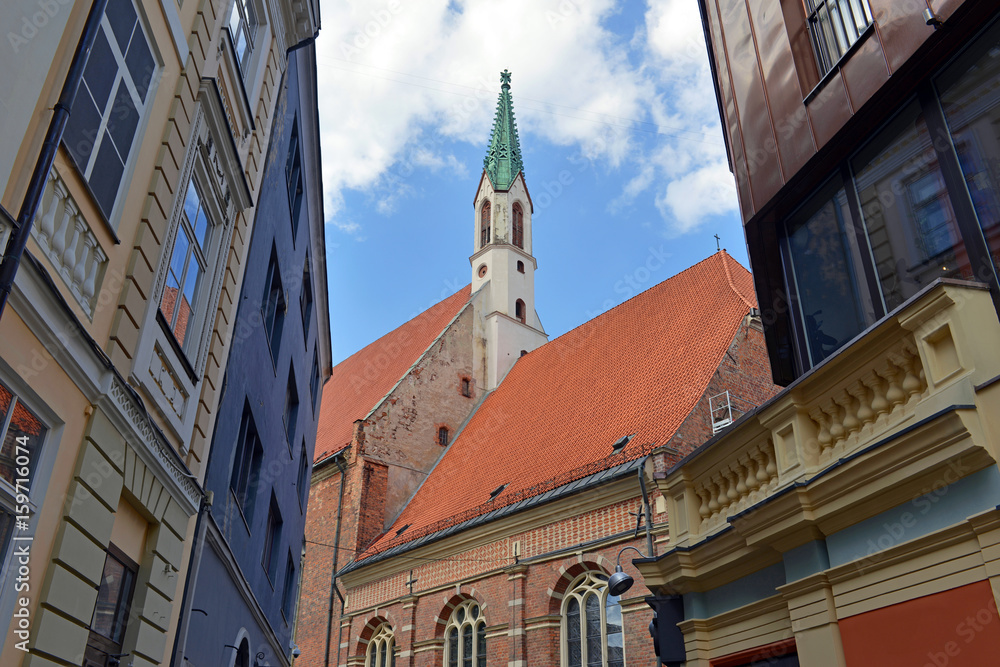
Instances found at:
x=623 y=153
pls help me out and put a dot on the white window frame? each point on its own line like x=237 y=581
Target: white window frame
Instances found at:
x=381 y=650
x=588 y=583
x=123 y=77
x=469 y=614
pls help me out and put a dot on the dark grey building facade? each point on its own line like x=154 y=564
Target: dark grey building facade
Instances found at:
x=240 y=599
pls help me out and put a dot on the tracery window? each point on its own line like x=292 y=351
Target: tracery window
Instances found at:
x=485 y=221
x=592 y=624
x=465 y=636
x=518 y=226
x=381 y=648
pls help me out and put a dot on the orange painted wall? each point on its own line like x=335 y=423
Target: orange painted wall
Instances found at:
x=956 y=628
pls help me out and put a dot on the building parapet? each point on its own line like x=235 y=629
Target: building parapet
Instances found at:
x=65 y=237
x=923 y=360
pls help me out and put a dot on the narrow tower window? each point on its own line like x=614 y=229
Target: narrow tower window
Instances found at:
x=519 y=311
x=518 y=226
x=443 y=436
x=485 y=222
x=466 y=387
x=520 y=266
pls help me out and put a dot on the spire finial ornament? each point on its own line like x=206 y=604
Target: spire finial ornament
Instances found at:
x=503 y=160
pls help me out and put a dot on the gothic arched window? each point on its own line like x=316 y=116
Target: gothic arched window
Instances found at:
x=518 y=226
x=465 y=637
x=592 y=624
x=519 y=311
x=485 y=222
x=381 y=648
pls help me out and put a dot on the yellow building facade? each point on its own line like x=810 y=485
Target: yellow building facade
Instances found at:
x=113 y=341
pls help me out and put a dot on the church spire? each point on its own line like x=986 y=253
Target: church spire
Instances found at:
x=503 y=161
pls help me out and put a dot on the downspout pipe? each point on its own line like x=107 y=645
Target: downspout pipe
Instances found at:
x=50 y=146
x=194 y=565
x=333 y=569
x=645 y=507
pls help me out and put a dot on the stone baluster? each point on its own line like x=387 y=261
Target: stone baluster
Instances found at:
x=72 y=261
x=895 y=394
x=880 y=404
x=851 y=421
x=58 y=244
x=861 y=393
x=96 y=258
x=47 y=225
x=823 y=431
x=713 y=501
x=831 y=408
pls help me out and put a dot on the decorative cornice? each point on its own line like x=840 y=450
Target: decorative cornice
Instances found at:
x=131 y=417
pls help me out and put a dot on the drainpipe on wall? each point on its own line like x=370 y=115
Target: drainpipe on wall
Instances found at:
x=333 y=570
x=57 y=126
x=645 y=507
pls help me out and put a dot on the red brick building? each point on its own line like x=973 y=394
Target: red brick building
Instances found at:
x=474 y=484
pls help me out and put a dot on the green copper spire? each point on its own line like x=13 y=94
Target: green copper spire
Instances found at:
x=503 y=161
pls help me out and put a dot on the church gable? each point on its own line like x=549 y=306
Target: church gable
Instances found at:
x=359 y=383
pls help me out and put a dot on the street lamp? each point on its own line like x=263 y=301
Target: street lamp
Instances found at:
x=620 y=582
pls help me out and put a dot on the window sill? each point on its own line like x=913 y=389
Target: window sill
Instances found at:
x=838 y=66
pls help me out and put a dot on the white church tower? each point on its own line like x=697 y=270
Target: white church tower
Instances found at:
x=502 y=262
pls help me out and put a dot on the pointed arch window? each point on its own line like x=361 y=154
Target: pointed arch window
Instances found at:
x=592 y=624
x=519 y=311
x=485 y=222
x=465 y=635
x=381 y=648
x=518 y=226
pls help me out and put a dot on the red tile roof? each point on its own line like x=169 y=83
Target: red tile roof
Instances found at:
x=359 y=382
x=639 y=368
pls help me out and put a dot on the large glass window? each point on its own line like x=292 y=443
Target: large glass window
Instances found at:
x=272 y=538
x=21 y=433
x=182 y=294
x=592 y=624
x=822 y=265
x=907 y=210
x=466 y=637
x=970 y=98
x=381 y=651
x=273 y=305
x=111 y=102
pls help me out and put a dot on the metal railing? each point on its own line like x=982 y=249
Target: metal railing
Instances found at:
x=835 y=25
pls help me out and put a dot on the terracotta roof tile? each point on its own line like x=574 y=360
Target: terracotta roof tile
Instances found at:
x=358 y=383
x=639 y=368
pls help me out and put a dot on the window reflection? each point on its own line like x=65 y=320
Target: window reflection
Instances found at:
x=820 y=253
x=970 y=99
x=907 y=212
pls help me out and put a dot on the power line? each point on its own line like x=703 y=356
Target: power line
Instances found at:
x=659 y=129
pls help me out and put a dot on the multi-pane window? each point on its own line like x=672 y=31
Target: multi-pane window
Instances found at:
x=443 y=436
x=288 y=594
x=243 y=30
x=273 y=305
x=293 y=178
x=111 y=611
x=111 y=102
x=918 y=202
x=465 y=637
x=835 y=25
x=272 y=538
x=381 y=651
x=22 y=434
x=485 y=222
x=246 y=465
x=182 y=293
x=592 y=624
x=517 y=215
x=291 y=414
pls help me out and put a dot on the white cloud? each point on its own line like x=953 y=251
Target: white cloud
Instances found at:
x=696 y=196
x=398 y=76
